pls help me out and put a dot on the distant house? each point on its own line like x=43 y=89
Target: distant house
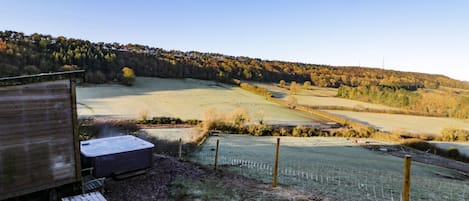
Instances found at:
x=241 y=59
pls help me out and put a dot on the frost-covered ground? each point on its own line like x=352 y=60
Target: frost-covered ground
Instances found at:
x=398 y=122
x=335 y=167
x=321 y=97
x=182 y=98
x=387 y=122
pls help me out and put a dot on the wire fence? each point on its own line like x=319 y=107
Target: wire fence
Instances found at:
x=330 y=178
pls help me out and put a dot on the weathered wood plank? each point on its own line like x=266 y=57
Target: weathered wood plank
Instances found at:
x=41 y=78
x=48 y=121
x=76 y=137
x=34 y=105
x=53 y=131
x=36 y=137
x=93 y=196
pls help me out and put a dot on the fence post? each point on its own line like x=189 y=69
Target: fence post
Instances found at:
x=180 y=148
x=274 y=184
x=216 y=156
x=406 y=184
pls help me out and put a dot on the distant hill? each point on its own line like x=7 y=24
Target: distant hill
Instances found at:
x=30 y=54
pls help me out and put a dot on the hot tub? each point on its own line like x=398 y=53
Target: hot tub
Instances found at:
x=116 y=155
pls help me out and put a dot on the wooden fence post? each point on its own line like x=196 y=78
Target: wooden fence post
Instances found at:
x=216 y=156
x=274 y=184
x=180 y=149
x=406 y=183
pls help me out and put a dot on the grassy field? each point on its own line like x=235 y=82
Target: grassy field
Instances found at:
x=321 y=97
x=409 y=123
x=334 y=167
x=182 y=98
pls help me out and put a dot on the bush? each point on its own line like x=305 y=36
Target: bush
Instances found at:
x=142 y=116
x=419 y=144
x=192 y=121
x=239 y=117
x=260 y=130
x=292 y=101
x=297 y=131
x=453 y=152
x=453 y=134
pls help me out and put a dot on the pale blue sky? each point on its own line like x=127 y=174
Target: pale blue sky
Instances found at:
x=411 y=35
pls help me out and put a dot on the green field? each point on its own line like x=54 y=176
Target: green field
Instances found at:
x=182 y=98
x=334 y=167
x=317 y=96
x=386 y=122
x=409 y=123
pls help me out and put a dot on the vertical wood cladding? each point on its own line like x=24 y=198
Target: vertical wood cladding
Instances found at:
x=36 y=137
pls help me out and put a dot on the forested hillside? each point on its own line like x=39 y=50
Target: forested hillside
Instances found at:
x=29 y=54
x=445 y=102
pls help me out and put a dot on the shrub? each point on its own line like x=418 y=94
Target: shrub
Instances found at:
x=419 y=144
x=192 y=121
x=283 y=132
x=142 y=116
x=297 y=131
x=453 y=152
x=453 y=134
x=239 y=117
x=260 y=130
x=292 y=101
x=294 y=88
x=211 y=120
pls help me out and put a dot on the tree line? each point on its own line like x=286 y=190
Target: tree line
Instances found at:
x=443 y=102
x=22 y=54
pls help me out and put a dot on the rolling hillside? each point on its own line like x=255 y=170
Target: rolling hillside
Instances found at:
x=30 y=54
x=182 y=98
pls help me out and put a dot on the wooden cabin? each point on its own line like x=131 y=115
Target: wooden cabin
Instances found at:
x=39 y=144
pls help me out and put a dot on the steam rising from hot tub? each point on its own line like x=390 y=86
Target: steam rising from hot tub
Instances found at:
x=108 y=130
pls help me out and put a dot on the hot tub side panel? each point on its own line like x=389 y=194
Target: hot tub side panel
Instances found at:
x=107 y=165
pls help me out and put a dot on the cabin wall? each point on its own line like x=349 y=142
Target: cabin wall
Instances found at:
x=37 y=148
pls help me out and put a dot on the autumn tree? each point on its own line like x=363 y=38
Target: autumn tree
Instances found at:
x=307 y=84
x=292 y=101
x=3 y=46
x=294 y=88
x=128 y=76
x=282 y=83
